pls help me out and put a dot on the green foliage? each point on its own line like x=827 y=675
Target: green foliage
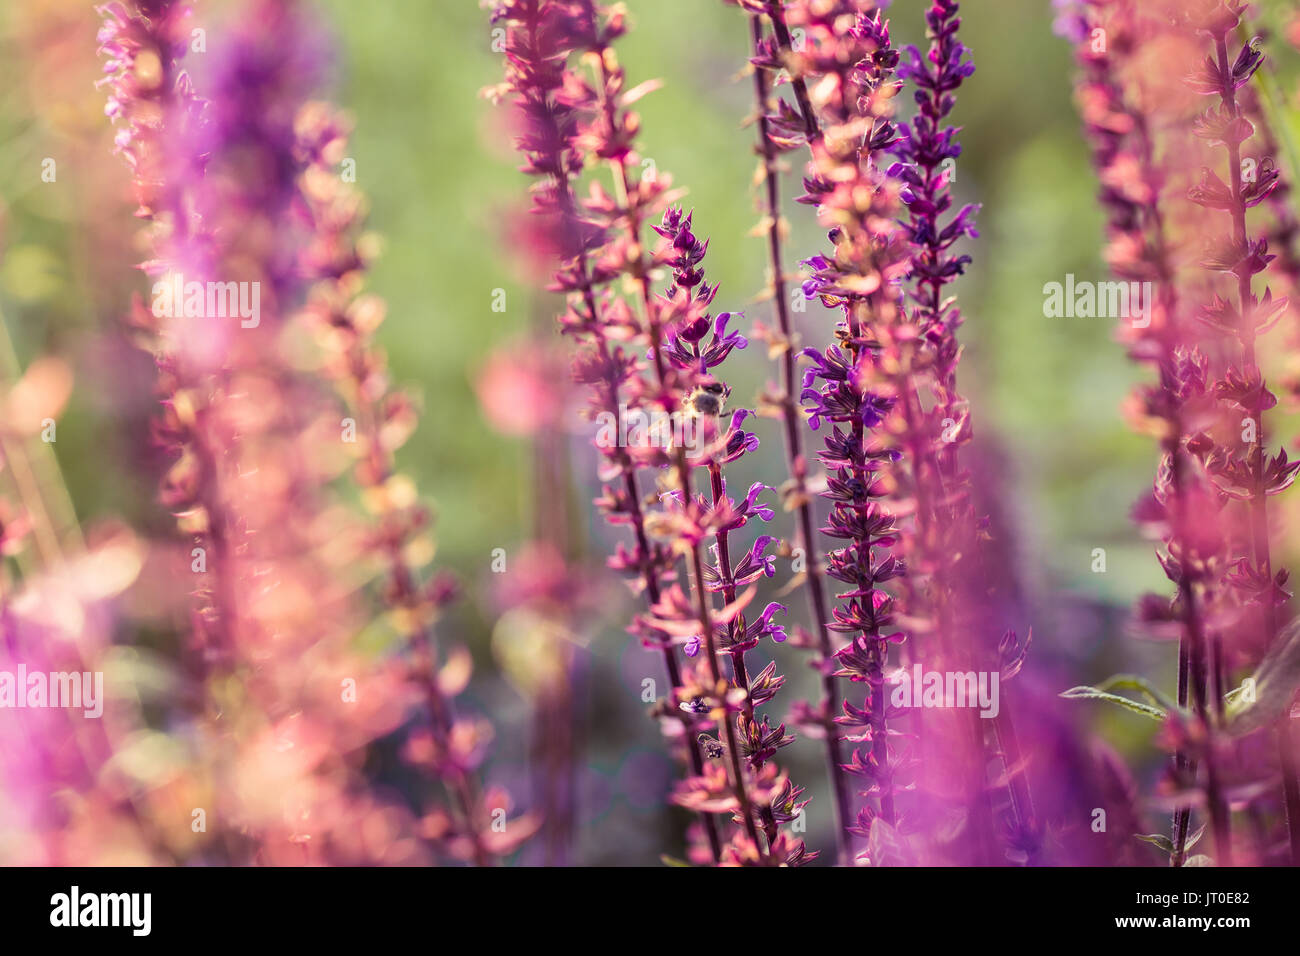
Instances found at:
x=1137 y=707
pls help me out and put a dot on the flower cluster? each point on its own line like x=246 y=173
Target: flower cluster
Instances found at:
x=1208 y=504
x=765 y=798
x=900 y=496
x=571 y=124
x=858 y=203
x=142 y=44
x=257 y=442
x=342 y=319
x=782 y=129
x=947 y=580
x=561 y=118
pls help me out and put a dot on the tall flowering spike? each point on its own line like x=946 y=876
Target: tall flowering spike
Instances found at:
x=849 y=54
x=344 y=320
x=610 y=138
x=1166 y=188
x=684 y=517
x=1242 y=468
x=950 y=578
x=782 y=129
x=1183 y=504
x=255 y=443
x=676 y=413
x=887 y=357
x=556 y=111
x=697 y=345
x=152 y=100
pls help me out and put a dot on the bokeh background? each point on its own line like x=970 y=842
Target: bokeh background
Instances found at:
x=436 y=162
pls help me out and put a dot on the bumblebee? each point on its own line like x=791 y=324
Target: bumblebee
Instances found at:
x=699 y=423
x=711 y=747
x=707 y=401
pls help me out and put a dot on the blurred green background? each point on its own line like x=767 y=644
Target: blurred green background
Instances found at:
x=437 y=164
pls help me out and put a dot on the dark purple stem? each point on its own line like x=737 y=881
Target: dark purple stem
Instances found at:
x=814 y=581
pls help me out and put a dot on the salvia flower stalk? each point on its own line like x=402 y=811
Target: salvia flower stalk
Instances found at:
x=250 y=430
x=343 y=320
x=690 y=520
x=894 y=371
x=1209 y=503
x=680 y=373
x=1140 y=250
x=556 y=110
x=858 y=204
x=697 y=345
x=778 y=133
x=944 y=543
x=1250 y=470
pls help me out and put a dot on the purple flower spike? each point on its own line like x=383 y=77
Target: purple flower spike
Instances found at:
x=767 y=627
x=739 y=442
x=751 y=506
x=755 y=563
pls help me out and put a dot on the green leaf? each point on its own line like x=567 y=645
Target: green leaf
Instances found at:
x=1157 y=840
x=1199 y=860
x=667 y=860
x=1164 y=843
x=1093 y=693
x=1141 y=685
